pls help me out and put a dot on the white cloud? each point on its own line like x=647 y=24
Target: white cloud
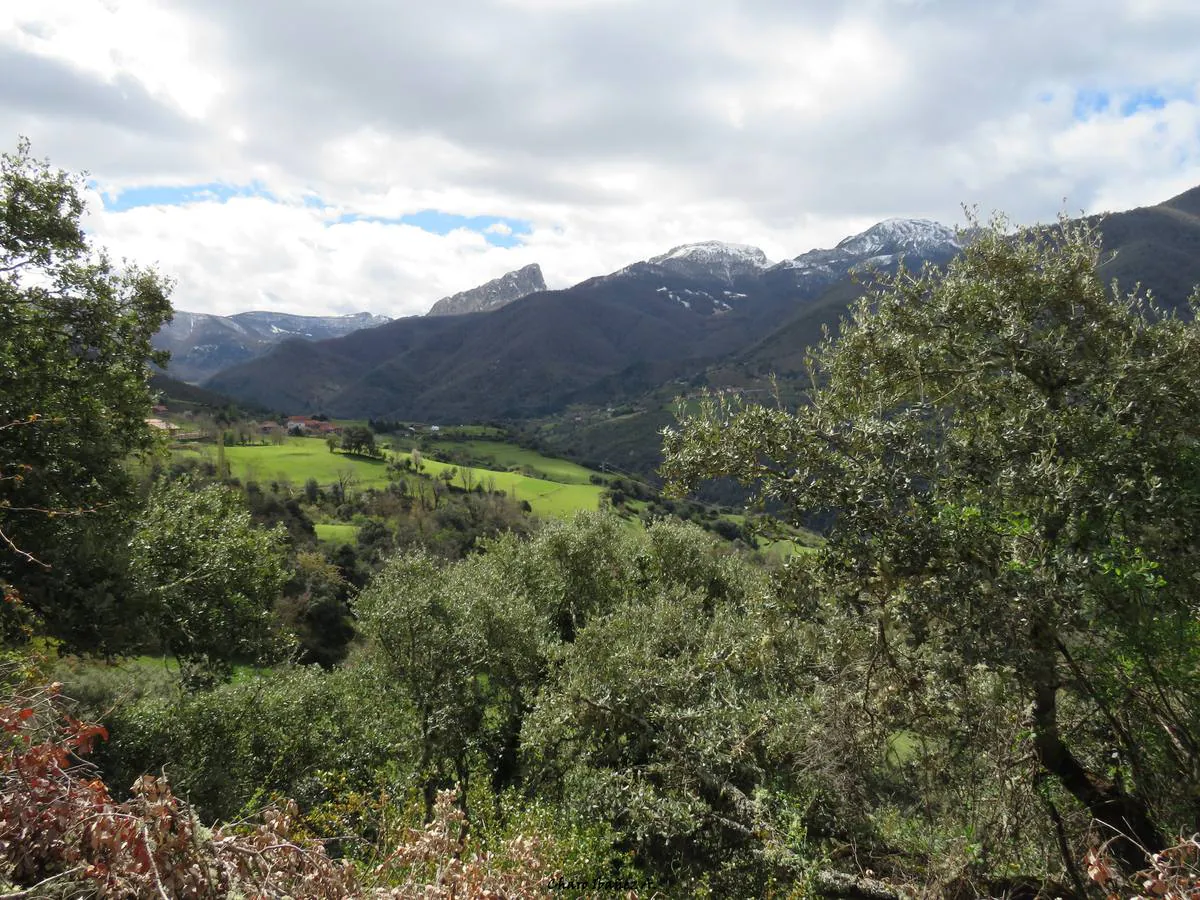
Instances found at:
x=135 y=38
x=616 y=129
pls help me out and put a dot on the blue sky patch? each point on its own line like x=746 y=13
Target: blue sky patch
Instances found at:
x=498 y=231
x=1089 y=103
x=1139 y=100
x=162 y=195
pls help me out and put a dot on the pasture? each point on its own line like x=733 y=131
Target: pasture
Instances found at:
x=547 y=498
x=336 y=533
x=502 y=456
x=298 y=459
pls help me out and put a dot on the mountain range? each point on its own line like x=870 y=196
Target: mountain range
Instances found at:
x=711 y=313
x=674 y=312
x=202 y=344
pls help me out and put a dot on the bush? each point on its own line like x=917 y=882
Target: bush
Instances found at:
x=273 y=735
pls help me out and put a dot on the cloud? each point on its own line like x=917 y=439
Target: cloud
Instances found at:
x=401 y=152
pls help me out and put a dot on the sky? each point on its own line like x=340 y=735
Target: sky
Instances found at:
x=324 y=157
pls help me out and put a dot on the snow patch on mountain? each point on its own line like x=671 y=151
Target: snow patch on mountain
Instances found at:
x=713 y=259
x=895 y=236
x=881 y=245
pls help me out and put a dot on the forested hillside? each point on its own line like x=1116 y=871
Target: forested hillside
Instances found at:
x=982 y=679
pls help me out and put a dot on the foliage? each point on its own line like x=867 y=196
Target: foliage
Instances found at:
x=58 y=823
x=273 y=735
x=643 y=681
x=675 y=710
x=1173 y=874
x=96 y=687
x=460 y=651
x=435 y=863
x=74 y=347
x=358 y=439
x=1008 y=455
x=314 y=608
x=61 y=830
x=209 y=576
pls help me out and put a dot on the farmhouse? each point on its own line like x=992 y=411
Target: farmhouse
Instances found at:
x=309 y=425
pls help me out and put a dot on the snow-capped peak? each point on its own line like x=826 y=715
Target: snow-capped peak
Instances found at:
x=713 y=251
x=892 y=236
x=713 y=259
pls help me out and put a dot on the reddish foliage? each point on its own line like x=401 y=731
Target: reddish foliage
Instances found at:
x=58 y=821
x=1173 y=874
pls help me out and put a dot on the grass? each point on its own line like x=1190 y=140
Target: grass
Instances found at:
x=298 y=459
x=336 y=533
x=509 y=456
x=547 y=498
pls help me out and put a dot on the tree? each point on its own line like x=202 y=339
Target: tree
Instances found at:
x=358 y=439
x=314 y=608
x=343 y=486
x=1008 y=455
x=460 y=652
x=74 y=346
x=312 y=490
x=208 y=576
x=673 y=706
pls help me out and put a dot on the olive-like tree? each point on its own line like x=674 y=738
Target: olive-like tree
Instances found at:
x=208 y=577
x=1008 y=453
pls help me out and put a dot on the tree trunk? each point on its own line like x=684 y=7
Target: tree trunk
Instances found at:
x=1124 y=817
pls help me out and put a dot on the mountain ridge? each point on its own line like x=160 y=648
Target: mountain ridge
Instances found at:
x=202 y=344
x=533 y=355
x=494 y=294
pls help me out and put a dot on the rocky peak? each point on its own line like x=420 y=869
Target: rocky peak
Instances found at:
x=493 y=295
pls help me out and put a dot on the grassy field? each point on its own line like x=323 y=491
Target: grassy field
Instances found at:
x=336 y=533
x=299 y=459
x=547 y=498
x=509 y=456
x=296 y=460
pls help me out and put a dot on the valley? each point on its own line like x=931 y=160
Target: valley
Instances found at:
x=866 y=573
x=709 y=315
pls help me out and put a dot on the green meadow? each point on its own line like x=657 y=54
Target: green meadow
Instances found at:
x=336 y=533
x=565 y=488
x=501 y=456
x=546 y=497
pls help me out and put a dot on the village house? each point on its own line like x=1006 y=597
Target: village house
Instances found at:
x=307 y=425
